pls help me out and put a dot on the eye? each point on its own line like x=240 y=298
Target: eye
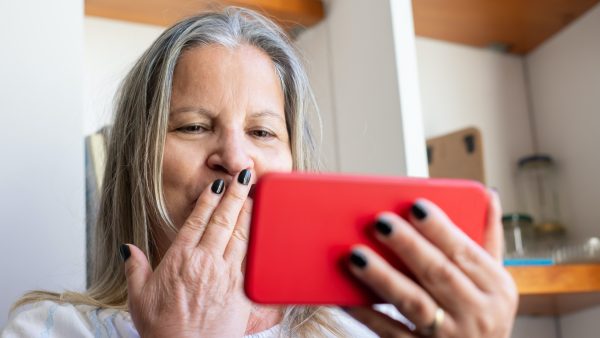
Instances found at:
x=261 y=133
x=193 y=129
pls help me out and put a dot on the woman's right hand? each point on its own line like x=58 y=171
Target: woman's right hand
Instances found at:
x=196 y=290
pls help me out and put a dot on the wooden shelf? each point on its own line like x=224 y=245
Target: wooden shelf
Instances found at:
x=290 y=14
x=557 y=289
x=520 y=25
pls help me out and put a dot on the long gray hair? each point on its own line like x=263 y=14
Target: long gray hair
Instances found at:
x=132 y=207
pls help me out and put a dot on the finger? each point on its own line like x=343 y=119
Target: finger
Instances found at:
x=473 y=260
x=137 y=269
x=238 y=242
x=224 y=218
x=438 y=275
x=194 y=226
x=494 y=238
x=381 y=324
x=410 y=299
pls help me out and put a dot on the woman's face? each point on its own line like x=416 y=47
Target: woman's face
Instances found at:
x=227 y=114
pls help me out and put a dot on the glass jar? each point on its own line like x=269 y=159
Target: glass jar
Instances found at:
x=538 y=195
x=519 y=234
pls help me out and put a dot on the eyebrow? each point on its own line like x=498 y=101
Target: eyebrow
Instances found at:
x=210 y=114
x=268 y=113
x=198 y=110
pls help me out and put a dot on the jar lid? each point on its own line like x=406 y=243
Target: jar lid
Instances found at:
x=516 y=217
x=535 y=159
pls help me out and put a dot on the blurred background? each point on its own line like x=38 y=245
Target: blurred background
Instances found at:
x=504 y=92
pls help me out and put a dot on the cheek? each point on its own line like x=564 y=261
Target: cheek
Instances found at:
x=181 y=166
x=275 y=160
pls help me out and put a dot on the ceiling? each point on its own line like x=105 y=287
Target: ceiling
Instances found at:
x=515 y=26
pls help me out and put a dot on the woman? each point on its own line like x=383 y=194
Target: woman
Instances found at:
x=218 y=100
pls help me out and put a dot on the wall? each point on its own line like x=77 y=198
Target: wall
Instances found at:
x=565 y=85
x=372 y=116
x=42 y=231
x=111 y=49
x=463 y=86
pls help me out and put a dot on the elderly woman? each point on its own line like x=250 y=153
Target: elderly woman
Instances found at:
x=217 y=101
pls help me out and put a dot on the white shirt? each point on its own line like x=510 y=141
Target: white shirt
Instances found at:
x=48 y=319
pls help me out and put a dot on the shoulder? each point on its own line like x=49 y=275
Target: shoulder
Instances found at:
x=48 y=318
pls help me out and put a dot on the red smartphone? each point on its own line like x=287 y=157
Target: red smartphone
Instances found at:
x=304 y=224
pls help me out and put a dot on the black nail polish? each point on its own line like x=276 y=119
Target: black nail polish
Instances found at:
x=358 y=259
x=124 y=251
x=217 y=186
x=244 y=177
x=383 y=227
x=418 y=211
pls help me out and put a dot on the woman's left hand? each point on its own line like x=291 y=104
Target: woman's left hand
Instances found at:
x=462 y=291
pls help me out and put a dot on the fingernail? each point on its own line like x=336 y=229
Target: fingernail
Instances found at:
x=217 y=186
x=383 y=227
x=358 y=259
x=251 y=192
x=418 y=211
x=125 y=252
x=244 y=177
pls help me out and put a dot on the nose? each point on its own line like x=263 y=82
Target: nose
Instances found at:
x=231 y=154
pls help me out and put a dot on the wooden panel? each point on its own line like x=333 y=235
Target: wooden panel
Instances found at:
x=558 y=289
x=288 y=13
x=457 y=155
x=522 y=24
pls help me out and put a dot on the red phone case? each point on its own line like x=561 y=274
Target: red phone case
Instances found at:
x=303 y=226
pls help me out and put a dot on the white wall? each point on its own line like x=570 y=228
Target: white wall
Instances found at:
x=42 y=229
x=463 y=86
x=111 y=49
x=565 y=81
x=367 y=92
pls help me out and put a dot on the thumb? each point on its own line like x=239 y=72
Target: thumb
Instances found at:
x=137 y=268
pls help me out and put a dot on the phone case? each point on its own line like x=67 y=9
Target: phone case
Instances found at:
x=303 y=225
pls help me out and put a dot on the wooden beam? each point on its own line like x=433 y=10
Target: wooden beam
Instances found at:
x=290 y=14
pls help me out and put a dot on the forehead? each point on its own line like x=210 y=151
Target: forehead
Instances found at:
x=222 y=76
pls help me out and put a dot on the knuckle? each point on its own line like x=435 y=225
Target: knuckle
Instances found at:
x=385 y=282
x=438 y=272
x=416 y=308
x=237 y=195
x=486 y=323
x=221 y=220
x=240 y=234
x=463 y=256
x=409 y=248
x=196 y=221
